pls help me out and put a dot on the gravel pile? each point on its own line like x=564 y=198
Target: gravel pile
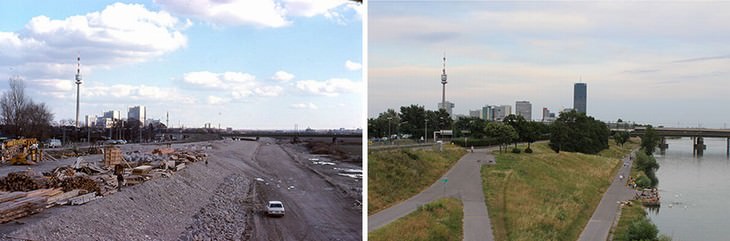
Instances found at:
x=227 y=215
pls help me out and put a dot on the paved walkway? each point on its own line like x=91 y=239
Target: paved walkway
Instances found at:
x=464 y=182
x=603 y=217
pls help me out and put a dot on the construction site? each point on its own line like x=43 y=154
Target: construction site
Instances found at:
x=204 y=190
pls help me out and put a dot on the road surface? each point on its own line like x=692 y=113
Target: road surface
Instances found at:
x=603 y=217
x=464 y=182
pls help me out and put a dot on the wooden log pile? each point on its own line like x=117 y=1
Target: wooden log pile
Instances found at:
x=23 y=181
x=80 y=182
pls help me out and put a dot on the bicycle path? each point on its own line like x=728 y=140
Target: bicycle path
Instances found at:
x=463 y=181
x=603 y=217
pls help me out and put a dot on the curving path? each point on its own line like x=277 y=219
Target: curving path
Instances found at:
x=464 y=182
x=603 y=217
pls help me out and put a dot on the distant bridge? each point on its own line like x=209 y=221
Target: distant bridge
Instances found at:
x=322 y=136
x=697 y=135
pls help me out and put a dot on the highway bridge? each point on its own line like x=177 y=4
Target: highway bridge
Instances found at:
x=298 y=136
x=696 y=134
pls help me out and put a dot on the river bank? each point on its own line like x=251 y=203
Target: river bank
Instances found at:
x=547 y=195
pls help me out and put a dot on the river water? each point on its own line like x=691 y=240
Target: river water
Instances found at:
x=695 y=192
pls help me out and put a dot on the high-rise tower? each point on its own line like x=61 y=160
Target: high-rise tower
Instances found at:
x=579 y=97
x=78 y=87
x=443 y=83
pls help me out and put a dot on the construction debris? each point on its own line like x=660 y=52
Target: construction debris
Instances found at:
x=27 y=192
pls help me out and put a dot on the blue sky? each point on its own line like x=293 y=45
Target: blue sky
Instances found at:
x=260 y=64
x=664 y=63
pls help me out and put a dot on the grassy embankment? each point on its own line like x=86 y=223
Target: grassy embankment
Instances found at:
x=629 y=214
x=439 y=220
x=396 y=175
x=547 y=195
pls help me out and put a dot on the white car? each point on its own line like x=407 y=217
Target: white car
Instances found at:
x=275 y=208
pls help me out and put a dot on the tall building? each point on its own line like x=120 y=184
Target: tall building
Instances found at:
x=524 y=109
x=488 y=113
x=547 y=116
x=449 y=107
x=138 y=113
x=90 y=120
x=502 y=111
x=579 y=97
x=112 y=114
x=475 y=113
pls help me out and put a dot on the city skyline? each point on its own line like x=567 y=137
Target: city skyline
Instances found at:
x=244 y=64
x=667 y=69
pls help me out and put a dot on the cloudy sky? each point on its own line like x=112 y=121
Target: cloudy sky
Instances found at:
x=257 y=64
x=660 y=62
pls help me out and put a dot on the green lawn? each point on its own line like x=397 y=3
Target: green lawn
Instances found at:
x=396 y=175
x=629 y=214
x=440 y=220
x=547 y=195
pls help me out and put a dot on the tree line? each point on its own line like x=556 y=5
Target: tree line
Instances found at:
x=572 y=131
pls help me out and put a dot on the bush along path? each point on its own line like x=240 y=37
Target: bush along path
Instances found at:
x=464 y=182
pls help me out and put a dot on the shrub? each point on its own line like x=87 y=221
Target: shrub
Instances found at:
x=516 y=150
x=528 y=150
x=643 y=182
x=642 y=229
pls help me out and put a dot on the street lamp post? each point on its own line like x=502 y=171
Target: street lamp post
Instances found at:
x=425 y=132
x=391 y=141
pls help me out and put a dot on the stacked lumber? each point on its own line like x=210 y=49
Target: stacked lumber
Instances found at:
x=141 y=170
x=16 y=205
x=63 y=197
x=80 y=182
x=23 y=181
x=21 y=207
x=112 y=156
x=163 y=151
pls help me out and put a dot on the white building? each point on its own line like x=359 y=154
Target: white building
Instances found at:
x=502 y=111
x=524 y=108
x=138 y=113
x=90 y=120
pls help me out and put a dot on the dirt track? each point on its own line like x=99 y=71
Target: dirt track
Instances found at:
x=223 y=200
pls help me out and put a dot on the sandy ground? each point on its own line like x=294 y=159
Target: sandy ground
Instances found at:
x=223 y=200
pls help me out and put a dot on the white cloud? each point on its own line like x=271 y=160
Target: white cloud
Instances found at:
x=331 y=87
x=352 y=66
x=304 y=106
x=282 y=76
x=121 y=33
x=239 y=84
x=260 y=13
x=310 y=8
x=215 y=100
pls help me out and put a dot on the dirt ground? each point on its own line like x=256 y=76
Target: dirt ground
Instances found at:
x=223 y=200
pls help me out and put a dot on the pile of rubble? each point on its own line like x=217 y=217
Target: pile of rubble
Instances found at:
x=27 y=192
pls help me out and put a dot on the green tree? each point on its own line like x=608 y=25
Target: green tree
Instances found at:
x=642 y=229
x=502 y=132
x=574 y=131
x=621 y=137
x=649 y=140
x=412 y=120
x=519 y=124
x=531 y=132
x=473 y=126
